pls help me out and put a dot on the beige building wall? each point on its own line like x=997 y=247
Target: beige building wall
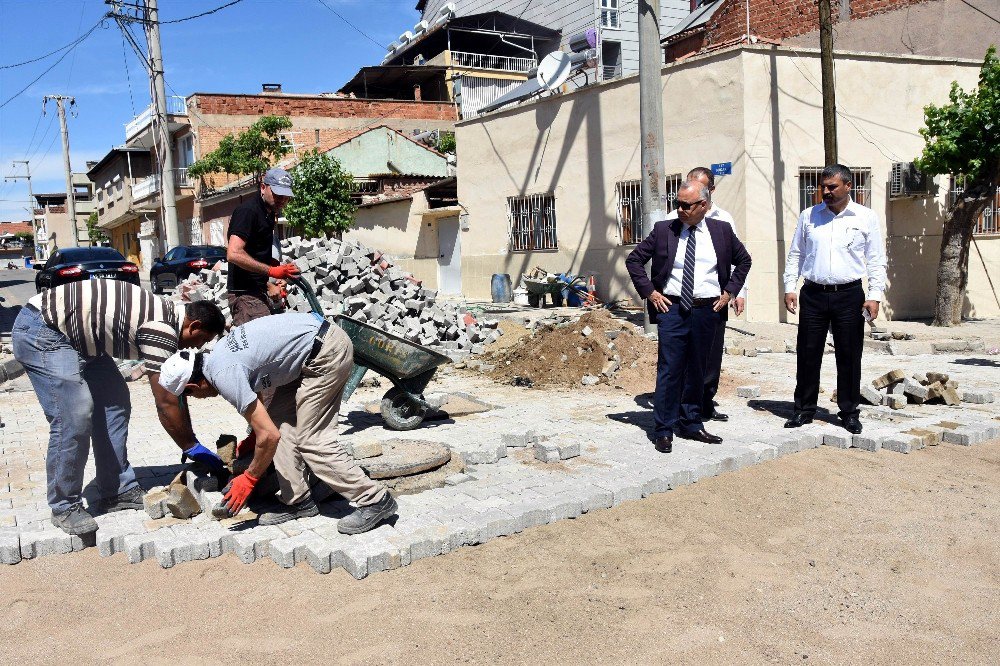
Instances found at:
x=399 y=229
x=757 y=107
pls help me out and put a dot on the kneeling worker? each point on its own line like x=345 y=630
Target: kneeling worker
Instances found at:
x=308 y=361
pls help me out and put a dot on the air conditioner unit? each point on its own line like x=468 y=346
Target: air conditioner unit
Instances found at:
x=906 y=181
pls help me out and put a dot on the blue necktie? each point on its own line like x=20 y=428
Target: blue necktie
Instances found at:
x=687 y=283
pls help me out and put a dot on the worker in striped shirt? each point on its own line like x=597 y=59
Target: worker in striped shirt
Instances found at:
x=68 y=339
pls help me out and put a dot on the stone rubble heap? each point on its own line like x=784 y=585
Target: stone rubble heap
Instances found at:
x=362 y=283
x=895 y=389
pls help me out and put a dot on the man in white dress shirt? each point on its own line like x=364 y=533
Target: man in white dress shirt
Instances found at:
x=705 y=177
x=836 y=244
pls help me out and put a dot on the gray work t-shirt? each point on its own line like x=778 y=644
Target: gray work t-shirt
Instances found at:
x=260 y=354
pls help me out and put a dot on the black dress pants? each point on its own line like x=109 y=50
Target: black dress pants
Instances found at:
x=713 y=370
x=839 y=311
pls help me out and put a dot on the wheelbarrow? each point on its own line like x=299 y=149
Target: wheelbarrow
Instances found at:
x=407 y=365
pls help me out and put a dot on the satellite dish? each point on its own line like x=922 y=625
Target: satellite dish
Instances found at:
x=553 y=70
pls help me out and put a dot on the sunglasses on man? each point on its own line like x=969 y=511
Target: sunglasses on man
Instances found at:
x=683 y=205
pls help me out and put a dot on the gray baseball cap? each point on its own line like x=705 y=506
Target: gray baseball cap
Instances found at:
x=280 y=182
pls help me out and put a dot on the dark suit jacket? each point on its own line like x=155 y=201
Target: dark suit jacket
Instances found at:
x=661 y=246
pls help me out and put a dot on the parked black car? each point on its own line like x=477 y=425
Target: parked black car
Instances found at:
x=84 y=263
x=181 y=262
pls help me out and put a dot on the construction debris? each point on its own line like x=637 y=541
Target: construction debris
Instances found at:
x=363 y=283
x=894 y=389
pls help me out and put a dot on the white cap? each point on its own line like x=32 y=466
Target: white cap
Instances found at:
x=176 y=371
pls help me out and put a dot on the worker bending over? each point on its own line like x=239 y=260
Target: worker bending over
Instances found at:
x=308 y=361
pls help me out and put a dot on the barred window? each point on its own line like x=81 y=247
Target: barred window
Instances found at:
x=811 y=194
x=629 y=206
x=610 y=17
x=988 y=223
x=531 y=222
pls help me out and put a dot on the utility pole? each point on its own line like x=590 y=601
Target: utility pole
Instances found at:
x=165 y=150
x=31 y=198
x=829 y=92
x=650 y=121
x=70 y=194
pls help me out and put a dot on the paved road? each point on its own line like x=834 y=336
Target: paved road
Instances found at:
x=16 y=287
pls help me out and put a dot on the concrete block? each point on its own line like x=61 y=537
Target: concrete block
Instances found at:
x=870 y=395
x=947 y=346
x=488 y=454
x=926 y=436
x=894 y=401
x=809 y=441
x=547 y=452
x=901 y=443
x=978 y=397
x=750 y=352
x=569 y=450
x=837 y=440
x=951 y=397
x=963 y=437
x=155 y=502
x=748 y=391
x=916 y=391
x=455 y=479
x=867 y=442
x=897 y=389
x=252 y=544
x=51 y=540
x=10 y=547
x=888 y=379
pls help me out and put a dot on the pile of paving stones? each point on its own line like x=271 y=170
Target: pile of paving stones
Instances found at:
x=362 y=283
x=895 y=389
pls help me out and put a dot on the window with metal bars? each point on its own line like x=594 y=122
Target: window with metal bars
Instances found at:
x=988 y=223
x=629 y=206
x=531 y=222
x=811 y=194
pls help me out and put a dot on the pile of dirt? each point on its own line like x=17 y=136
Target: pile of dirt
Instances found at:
x=596 y=349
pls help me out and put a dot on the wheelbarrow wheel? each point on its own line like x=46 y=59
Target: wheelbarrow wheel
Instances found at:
x=399 y=412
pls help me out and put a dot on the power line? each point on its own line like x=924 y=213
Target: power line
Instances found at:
x=72 y=62
x=211 y=11
x=70 y=49
x=51 y=53
x=359 y=30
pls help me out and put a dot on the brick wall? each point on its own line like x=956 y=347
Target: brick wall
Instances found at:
x=780 y=19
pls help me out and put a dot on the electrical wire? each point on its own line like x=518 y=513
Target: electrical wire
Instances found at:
x=73 y=45
x=128 y=76
x=359 y=30
x=211 y=11
x=72 y=62
x=61 y=48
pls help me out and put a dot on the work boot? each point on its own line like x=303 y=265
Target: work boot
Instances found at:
x=130 y=499
x=366 y=518
x=304 y=509
x=76 y=521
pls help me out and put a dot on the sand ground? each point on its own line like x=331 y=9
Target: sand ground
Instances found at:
x=826 y=556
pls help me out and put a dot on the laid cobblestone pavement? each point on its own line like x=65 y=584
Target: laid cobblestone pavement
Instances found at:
x=505 y=489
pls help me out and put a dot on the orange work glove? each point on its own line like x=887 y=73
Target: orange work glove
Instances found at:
x=284 y=271
x=237 y=491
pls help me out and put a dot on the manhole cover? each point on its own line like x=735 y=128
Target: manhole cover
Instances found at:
x=405 y=457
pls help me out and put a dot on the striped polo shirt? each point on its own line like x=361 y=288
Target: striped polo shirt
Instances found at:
x=114 y=318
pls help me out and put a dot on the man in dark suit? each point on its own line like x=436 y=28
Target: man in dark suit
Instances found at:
x=692 y=281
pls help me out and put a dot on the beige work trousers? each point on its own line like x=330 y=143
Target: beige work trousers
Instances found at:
x=306 y=412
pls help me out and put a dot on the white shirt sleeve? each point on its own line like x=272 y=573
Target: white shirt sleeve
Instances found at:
x=793 y=263
x=875 y=260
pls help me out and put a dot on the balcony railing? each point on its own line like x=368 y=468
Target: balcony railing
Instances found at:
x=150 y=185
x=494 y=62
x=176 y=106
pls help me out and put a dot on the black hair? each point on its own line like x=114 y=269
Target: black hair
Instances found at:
x=208 y=314
x=702 y=171
x=838 y=170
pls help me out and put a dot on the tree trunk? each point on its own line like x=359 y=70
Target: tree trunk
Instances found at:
x=953 y=266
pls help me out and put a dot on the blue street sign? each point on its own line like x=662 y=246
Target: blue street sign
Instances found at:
x=723 y=169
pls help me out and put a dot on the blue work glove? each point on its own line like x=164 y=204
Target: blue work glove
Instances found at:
x=199 y=453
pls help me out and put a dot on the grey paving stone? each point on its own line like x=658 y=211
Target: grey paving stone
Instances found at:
x=962 y=436
x=867 y=442
x=748 y=391
x=251 y=544
x=49 y=540
x=977 y=397
x=484 y=456
x=900 y=443
x=837 y=440
x=10 y=547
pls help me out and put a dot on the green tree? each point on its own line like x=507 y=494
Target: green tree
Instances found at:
x=95 y=234
x=251 y=152
x=322 y=204
x=26 y=237
x=445 y=142
x=963 y=139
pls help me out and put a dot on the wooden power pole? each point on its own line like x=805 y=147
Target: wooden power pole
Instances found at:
x=829 y=89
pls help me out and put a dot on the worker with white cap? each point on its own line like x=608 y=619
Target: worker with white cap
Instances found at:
x=308 y=361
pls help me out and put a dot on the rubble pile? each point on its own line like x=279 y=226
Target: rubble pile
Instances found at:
x=895 y=389
x=597 y=348
x=362 y=283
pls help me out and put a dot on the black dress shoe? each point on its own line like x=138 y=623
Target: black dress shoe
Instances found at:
x=702 y=436
x=852 y=425
x=717 y=416
x=664 y=444
x=798 y=420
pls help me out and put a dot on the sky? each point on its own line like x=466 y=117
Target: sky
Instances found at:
x=302 y=44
